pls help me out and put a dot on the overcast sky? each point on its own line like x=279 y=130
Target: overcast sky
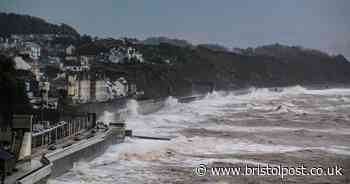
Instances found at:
x=320 y=24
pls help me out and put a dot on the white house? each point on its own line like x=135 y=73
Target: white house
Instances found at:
x=133 y=53
x=85 y=62
x=20 y=64
x=83 y=86
x=101 y=93
x=79 y=88
x=70 y=50
x=118 y=55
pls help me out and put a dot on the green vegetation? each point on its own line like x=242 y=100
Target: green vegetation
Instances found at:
x=12 y=92
x=171 y=66
x=277 y=65
x=11 y=23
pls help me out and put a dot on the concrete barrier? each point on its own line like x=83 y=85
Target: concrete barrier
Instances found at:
x=37 y=176
x=63 y=159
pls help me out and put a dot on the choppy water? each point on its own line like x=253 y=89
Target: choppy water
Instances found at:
x=294 y=126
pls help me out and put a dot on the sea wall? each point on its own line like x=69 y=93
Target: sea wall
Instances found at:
x=86 y=150
x=37 y=176
x=62 y=160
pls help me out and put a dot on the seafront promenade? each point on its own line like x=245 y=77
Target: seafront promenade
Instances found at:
x=57 y=162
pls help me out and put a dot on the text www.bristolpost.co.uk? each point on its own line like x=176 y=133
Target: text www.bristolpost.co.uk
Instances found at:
x=267 y=170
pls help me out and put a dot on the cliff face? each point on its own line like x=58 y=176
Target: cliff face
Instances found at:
x=23 y=24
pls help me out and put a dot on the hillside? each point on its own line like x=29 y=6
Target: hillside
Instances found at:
x=173 y=66
x=274 y=66
x=23 y=24
x=159 y=40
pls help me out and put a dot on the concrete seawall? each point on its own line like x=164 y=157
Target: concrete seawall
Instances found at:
x=62 y=160
x=38 y=176
x=86 y=150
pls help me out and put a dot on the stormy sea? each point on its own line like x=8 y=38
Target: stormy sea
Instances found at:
x=289 y=127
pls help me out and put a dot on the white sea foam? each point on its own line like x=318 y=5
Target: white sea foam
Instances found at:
x=334 y=91
x=132 y=107
x=344 y=99
x=107 y=117
x=171 y=101
x=214 y=145
x=129 y=162
x=234 y=128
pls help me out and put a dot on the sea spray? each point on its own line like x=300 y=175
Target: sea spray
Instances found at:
x=207 y=130
x=132 y=108
x=107 y=117
x=212 y=95
x=171 y=101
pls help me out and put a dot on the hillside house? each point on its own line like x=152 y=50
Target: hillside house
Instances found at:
x=101 y=93
x=79 y=87
x=132 y=53
x=116 y=55
x=21 y=64
x=70 y=50
x=32 y=49
x=121 y=55
x=83 y=85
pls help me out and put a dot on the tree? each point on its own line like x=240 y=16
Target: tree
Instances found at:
x=12 y=92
